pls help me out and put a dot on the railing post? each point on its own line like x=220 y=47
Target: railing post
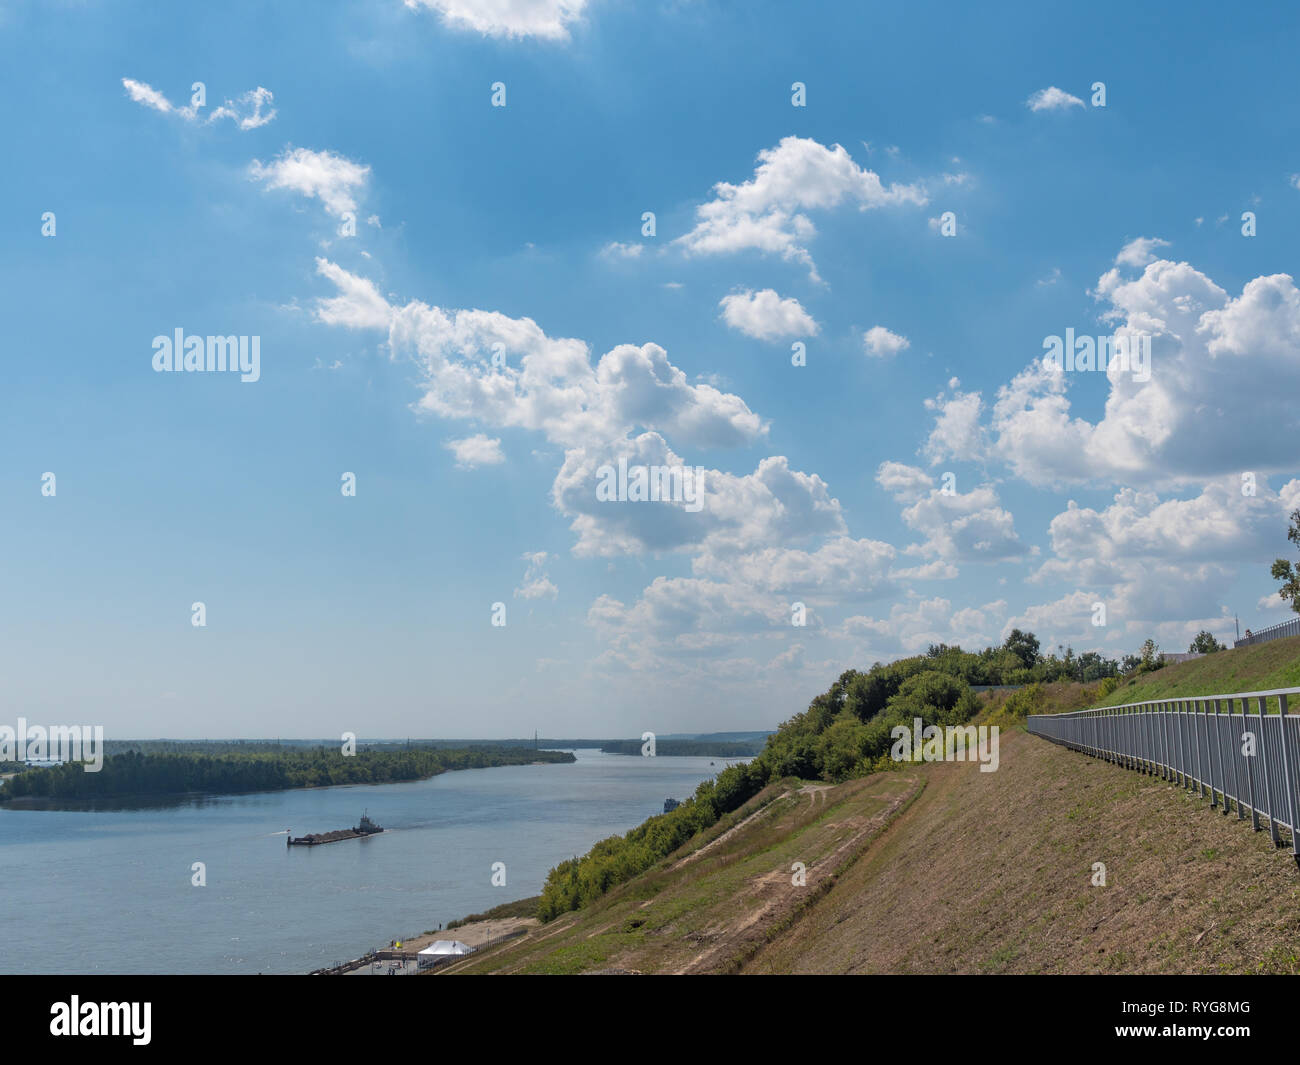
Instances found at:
x=1166 y=751
x=1203 y=731
x=1196 y=739
x=1175 y=754
x=1180 y=726
x=1144 y=740
x=1152 y=746
x=1209 y=754
x=1287 y=778
x=1234 y=750
x=1152 y=723
x=1126 y=744
x=1262 y=746
x=1164 y=740
x=1250 y=764
x=1135 y=748
x=1121 y=735
x=1218 y=749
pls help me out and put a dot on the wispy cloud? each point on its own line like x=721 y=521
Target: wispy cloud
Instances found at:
x=1052 y=99
x=477 y=450
x=547 y=19
x=251 y=110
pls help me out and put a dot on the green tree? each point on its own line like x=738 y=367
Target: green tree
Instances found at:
x=1024 y=645
x=1287 y=573
x=1205 y=644
x=1150 y=655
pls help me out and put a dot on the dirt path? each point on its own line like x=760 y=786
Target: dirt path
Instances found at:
x=725 y=838
x=770 y=905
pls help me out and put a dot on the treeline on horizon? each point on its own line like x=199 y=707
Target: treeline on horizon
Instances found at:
x=845 y=733
x=696 y=746
x=689 y=748
x=136 y=773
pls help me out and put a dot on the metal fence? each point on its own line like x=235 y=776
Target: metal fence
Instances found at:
x=1273 y=632
x=1249 y=759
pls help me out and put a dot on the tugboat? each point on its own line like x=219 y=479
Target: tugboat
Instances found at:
x=312 y=839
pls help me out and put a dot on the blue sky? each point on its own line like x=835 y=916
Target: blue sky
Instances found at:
x=521 y=226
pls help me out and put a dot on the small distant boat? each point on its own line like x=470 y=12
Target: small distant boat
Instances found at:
x=366 y=828
x=670 y=805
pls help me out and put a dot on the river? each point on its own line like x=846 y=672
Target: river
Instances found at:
x=110 y=890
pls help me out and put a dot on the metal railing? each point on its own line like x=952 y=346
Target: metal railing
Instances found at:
x=1273 y=632
x=1249 y=758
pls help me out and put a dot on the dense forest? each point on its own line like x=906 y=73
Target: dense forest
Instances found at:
x=844 y=733
x=135 y=773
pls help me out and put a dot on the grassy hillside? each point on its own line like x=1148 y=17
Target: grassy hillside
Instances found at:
x=1260 y=668
x=941 y=868
x=993 y=873
x=714 y=903
x=1275 y=664
x=936 y=867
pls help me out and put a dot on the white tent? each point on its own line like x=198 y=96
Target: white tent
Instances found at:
x=443 y=948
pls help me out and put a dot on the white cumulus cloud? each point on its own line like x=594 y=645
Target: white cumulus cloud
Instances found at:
x=330 y=178
x=766 y=213
x=883 y=344
x=766 y=316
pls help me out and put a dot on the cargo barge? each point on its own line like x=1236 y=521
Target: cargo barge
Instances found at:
x=366 y=828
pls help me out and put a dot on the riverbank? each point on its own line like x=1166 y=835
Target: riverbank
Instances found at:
x=507 y=921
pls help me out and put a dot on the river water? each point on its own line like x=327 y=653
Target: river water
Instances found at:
x=110 y=890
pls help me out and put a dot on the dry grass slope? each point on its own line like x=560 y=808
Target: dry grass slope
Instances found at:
x=991 y=873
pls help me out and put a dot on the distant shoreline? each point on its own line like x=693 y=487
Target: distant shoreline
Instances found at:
x=137 y=799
